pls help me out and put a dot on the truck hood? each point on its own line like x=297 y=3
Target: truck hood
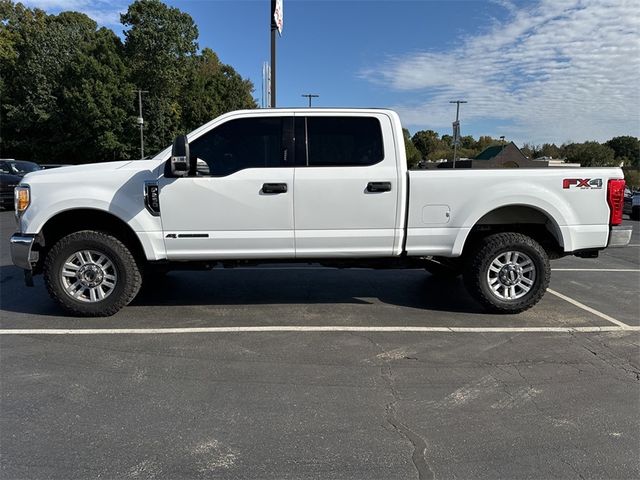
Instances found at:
x=90 y=171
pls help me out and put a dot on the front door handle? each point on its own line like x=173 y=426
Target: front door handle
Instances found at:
x=274 y=188
x=375 y=187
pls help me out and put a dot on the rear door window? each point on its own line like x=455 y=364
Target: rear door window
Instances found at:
x=340 y=141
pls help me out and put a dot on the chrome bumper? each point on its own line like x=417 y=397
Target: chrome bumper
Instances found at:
x=22 y=254
x=619 y=236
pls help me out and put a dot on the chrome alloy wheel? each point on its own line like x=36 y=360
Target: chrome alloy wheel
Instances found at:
x=511 y=275
x=88 y=276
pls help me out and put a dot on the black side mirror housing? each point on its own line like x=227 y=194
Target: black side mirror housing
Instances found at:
x=180 y=161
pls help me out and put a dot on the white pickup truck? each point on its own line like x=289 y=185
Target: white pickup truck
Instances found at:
x=306 y=185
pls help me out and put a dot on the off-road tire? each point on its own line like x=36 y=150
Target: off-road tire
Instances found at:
x=480 y=259
x=128 y=272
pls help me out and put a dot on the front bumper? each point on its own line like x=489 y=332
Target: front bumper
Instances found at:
x=619 y=236
x=22 y=253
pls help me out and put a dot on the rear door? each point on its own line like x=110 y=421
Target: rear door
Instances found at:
x=346 y=185
x=240 y=205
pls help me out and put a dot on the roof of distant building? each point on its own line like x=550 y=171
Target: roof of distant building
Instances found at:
x=490 y=152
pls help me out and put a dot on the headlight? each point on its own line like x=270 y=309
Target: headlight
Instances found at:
x=22 y=198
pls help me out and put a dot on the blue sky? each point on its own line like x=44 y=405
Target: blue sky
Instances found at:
x=535 y=71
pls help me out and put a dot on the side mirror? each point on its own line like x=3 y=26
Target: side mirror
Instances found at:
x=180 y=159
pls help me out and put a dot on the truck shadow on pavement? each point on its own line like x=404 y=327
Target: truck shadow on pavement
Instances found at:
x=404 y=288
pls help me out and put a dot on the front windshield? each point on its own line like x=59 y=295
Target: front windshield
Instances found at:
x=22 y=168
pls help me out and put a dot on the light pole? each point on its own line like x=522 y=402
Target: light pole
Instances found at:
x=456 y=129
x=310 y=96
x=274 y=29
x=141 y=122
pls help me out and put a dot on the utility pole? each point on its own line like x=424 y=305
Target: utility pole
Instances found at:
x=141 y=121
x=456 y=129
x=309 y=96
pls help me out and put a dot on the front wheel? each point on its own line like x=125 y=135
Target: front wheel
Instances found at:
x=507 y=272
x=91 y=274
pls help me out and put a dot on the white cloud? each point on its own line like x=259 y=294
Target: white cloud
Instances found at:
x=557 y=71
x=104 y=12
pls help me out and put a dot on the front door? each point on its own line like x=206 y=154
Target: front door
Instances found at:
x=240 y=204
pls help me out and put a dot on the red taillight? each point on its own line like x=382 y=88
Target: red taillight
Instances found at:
x=615 y=199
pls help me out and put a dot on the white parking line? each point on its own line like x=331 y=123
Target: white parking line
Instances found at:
x=288 y=269
x=336 y=328
x=595 y=269
x=589 y=309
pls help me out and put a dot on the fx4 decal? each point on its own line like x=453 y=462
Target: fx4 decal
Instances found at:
x=582 y=183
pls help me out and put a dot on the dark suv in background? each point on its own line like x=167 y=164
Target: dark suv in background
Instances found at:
x=11 y=172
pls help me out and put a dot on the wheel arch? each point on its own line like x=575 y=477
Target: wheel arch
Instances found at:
x=532 y=220
x=78 y=219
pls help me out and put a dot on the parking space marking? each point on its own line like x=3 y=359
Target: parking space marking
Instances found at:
x=595 y=269
x=288 y=269
x=589 y=309
x=336 y=328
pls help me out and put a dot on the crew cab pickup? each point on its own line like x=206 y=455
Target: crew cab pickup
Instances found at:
x=306 y=185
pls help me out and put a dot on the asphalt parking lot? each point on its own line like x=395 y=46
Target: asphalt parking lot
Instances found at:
x=276 y=373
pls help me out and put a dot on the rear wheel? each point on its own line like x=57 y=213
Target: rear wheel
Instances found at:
x=91 y=274
x=635 y=213
x=507 y=272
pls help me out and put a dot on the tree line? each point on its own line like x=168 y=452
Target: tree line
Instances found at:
x=619 y=151
x=68 y=88
x=68 y=91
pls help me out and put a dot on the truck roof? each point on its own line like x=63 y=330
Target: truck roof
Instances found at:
x=313 y=109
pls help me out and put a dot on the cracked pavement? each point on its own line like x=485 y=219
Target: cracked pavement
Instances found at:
x=311 y=405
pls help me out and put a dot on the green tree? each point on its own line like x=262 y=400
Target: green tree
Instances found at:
x=626 y=149
x=160 y=42
x=590 y=154
x=34 y=110
x=549 y=150
x=528 y=150
x=485 y=141
x=426 y=141
x=468 y=142
x=632 y=177
x=68 y=89
x=95 y=116
x=212 y=88
x=413 y=154
x=442 y=153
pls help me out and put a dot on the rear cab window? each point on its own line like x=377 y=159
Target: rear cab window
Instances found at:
x=338 y=141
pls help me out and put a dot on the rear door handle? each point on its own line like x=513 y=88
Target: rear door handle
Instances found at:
x=274 y=188
x=375 y=187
